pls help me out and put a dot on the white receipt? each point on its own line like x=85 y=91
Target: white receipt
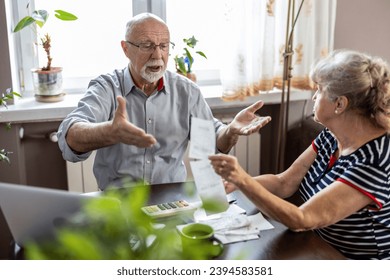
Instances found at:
x=203 y=141
x=209 y=184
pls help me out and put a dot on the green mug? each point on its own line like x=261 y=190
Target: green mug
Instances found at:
x=199 y=242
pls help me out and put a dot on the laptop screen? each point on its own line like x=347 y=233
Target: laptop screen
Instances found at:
x=33 y=213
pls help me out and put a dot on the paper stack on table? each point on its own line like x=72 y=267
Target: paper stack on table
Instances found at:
x=233 y=225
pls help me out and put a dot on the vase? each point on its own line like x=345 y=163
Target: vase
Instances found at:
x=47 y=83
x=189 y=75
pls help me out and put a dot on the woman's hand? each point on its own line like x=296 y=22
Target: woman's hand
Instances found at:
x=229 y=169
x=229 y=187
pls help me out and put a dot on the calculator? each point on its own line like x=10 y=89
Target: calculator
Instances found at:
x=169 y=209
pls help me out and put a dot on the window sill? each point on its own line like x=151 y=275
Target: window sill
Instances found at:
x=29 y=110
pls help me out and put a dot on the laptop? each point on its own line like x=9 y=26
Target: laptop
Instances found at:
x=33 y=213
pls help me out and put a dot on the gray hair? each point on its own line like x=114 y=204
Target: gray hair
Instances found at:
x=140 y=18
x=362 y=78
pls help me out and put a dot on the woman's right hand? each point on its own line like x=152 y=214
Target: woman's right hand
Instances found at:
x=229 y=187
x=229 y=169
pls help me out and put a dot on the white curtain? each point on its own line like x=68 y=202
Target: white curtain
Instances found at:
x=255 y=43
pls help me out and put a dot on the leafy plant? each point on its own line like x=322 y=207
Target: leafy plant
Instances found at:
x=38 y=18
x=184 y=61
x=4 y=155
x=114 y=227
x=8 y=95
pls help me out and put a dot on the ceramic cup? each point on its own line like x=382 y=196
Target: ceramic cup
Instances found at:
x=199 y=242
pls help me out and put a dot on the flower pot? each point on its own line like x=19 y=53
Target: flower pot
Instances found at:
x=192 y=77
x=189 y=75
x=47 y=83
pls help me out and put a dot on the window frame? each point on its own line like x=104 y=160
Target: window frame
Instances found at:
x=156 y=7
x=25 y=56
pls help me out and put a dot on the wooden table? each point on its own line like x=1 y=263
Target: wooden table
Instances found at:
x=277 y=244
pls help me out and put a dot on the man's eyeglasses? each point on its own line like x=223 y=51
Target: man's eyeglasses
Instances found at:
x=150 y=47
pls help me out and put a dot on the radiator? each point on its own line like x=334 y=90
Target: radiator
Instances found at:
x=247 y=151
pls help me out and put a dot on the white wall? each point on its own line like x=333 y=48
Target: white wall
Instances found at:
x=363 y=25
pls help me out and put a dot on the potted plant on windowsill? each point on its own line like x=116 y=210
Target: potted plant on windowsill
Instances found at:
x=184 y=61
x=47 y=79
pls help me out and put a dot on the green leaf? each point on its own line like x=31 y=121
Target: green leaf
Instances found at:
x=40 y=17
x=188 y=54
x=80 y=245
x=26 y=21
x=4 y=156
x=16 y=94
x=190 y=59
x=7 y=96
x=35 y=252
x=201 y=54
x=44 y=14
x=3 y=102
x=191 y=42
x=62 y=15
x=181 y=65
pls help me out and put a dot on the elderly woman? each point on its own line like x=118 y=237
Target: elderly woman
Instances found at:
x=343 y=177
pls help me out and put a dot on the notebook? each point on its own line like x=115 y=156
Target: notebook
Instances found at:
x=33 y=213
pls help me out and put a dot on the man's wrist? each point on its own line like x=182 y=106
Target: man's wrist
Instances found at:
x=231 y=134
x=226 y=139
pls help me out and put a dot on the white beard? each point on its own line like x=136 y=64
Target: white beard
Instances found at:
x=152 y=77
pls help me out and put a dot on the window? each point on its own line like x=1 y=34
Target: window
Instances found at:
x=91 y=45
x=232 y=33
x=84 y=48
x=187 y=18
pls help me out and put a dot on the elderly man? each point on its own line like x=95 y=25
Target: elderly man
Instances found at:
x=139 y=118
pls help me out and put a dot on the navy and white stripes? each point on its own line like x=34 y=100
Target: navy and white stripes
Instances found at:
x=366 y=233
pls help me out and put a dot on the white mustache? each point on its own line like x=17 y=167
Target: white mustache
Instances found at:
x=155 y=63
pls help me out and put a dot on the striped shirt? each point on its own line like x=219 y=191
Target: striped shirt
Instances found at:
x=366 y=233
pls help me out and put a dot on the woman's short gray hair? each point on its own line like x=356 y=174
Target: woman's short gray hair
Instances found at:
x=362 y=78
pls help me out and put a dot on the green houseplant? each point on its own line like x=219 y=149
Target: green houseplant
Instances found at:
x=184 y=61
x=4 y=97
x=114 y=228
x=47 y=79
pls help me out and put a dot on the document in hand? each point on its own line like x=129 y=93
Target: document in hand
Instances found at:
x=209 y=184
